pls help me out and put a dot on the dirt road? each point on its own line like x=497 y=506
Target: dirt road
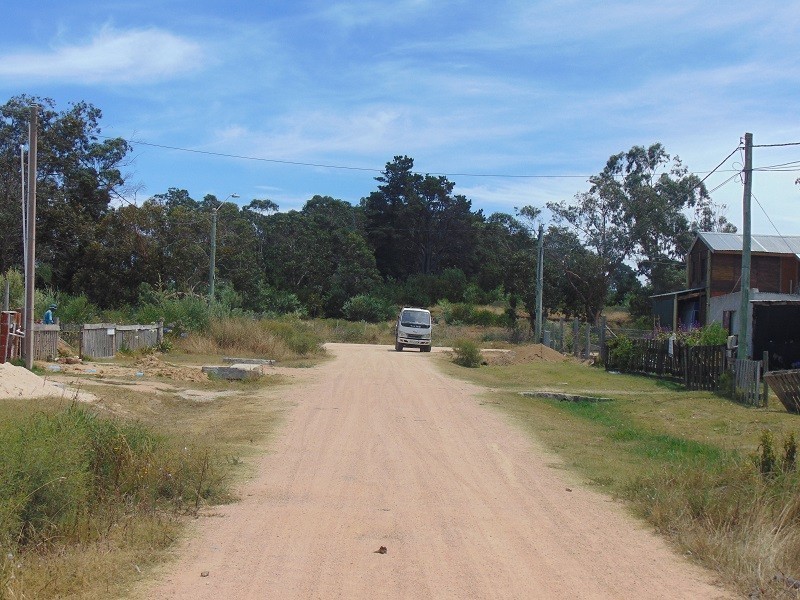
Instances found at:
x=381 y=450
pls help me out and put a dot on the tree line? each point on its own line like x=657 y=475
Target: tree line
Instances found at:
x=411 y=240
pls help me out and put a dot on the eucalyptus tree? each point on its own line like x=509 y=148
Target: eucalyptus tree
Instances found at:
x=636 y=211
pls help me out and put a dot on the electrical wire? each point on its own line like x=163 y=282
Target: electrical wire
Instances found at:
x=776 y=145
x=348 y=168
x=785 y=241
x=375 y=170
x=724 y=160
x=727 y=181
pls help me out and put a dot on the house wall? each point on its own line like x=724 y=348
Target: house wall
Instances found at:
x=718 y=305
x=697 y=266
x=726 y=271
x=790 y=274
x=664 y=311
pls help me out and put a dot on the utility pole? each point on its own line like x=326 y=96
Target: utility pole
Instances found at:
x=212 y=267
x=30 y=276
x=744 y=308
x=539 y=283
x=24 y=208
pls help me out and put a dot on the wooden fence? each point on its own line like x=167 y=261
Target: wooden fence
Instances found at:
x=747 y=382
x=786 y=385
x=704 y=366
x=45 y=341
x=698 y=367
x=104 y=340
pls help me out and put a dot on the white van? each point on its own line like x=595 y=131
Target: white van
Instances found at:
x=413 y=329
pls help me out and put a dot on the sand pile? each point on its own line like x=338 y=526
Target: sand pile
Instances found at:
x=17 y=382
x=525 y=354
x=153 y=366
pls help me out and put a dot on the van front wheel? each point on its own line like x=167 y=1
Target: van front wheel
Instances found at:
x=426 y=348
x=398 y=346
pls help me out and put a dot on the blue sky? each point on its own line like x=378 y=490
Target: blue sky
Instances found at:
x=513 y=88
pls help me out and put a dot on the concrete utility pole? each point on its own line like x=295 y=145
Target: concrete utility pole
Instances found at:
x=744 y=308
x=213 y=263
x=30 y=261
x=539 y=282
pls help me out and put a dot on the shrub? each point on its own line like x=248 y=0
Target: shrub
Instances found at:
x=367 y=308
x=620 y=352
x=467 y=354
x=299 y=336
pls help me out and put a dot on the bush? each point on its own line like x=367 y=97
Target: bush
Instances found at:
x=299 y=336
x=367 y=308
x=466 y=314
x=620 y=353
x=467 y=354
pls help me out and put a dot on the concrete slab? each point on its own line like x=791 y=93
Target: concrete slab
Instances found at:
x=236 y=371
x=248 y=361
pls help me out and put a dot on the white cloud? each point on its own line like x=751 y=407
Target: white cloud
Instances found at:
x=111 y=56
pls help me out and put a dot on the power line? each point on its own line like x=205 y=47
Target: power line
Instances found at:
x=726 y=182
x=785 y=241
x=724 y=160
x=778 y=167
x=776 y=145
x=345 y=167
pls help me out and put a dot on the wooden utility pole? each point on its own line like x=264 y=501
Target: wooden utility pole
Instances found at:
x=539 y=283
x=31 y=241
x=744 y=307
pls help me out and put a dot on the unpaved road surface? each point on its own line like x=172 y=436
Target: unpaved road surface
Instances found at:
x=381 y=449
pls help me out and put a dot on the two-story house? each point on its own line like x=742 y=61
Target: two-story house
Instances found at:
x=713 y=294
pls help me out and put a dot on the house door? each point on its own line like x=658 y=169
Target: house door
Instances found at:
x=776 y=329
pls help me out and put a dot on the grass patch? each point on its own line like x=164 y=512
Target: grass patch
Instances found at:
x=694 y=465
x=69 y=479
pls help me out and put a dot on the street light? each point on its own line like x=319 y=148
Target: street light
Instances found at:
x=213 y=263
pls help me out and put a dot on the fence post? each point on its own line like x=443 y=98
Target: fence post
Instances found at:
x=764 y=371
x=546 y=336
x=576 y=337
x=561 y=334
x=686 y=365
x=602 y=339
x=588 y=340
x=160 y=334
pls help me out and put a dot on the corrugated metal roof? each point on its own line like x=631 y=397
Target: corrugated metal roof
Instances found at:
x=771 y=297
x=771 y=244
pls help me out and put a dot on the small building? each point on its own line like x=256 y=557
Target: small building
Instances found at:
x=713 y=294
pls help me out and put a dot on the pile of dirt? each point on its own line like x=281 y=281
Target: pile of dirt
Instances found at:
x=525 y=354
x=147 y=366
x=17 y=382
x=152 y=366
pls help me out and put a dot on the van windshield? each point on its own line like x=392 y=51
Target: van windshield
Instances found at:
x=415 y=318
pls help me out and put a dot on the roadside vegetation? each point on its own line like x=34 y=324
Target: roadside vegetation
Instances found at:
x=719 y=480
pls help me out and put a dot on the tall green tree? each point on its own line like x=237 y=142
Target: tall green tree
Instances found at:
x=416 y=225
x=78 y=175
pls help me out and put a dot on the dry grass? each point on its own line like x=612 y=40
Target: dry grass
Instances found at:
x=282 y=340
